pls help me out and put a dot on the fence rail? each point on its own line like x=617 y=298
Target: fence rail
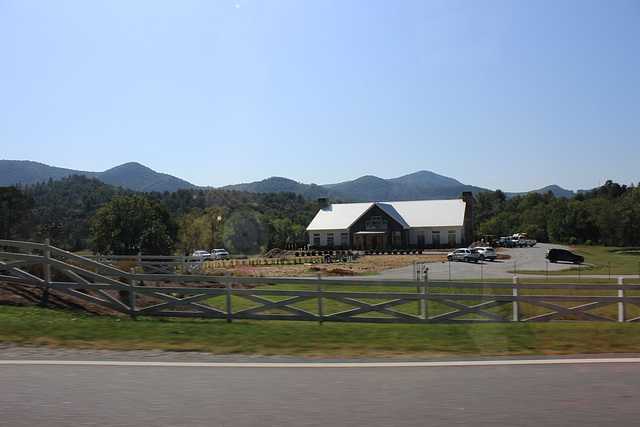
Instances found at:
x=319 y=299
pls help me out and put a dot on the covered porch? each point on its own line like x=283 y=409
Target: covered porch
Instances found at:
x=368 y=240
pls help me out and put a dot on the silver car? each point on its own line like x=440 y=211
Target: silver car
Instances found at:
x=466 y=255
x=206 y=256
x=487 y=253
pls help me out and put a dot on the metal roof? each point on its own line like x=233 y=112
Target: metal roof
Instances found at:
x=338 y=216
x=412 y=214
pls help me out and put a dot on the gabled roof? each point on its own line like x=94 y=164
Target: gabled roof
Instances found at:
x=420 y=213
x=338 y=216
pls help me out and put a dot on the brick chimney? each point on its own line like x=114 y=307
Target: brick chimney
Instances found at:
x=322 y=203
x=467 y=198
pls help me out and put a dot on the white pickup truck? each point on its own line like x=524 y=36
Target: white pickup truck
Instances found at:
x=522 y=241
x=218 y=254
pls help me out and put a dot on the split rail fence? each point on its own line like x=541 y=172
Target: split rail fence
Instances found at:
x=320 y=299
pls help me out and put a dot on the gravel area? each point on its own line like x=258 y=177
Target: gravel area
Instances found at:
x=16 y=352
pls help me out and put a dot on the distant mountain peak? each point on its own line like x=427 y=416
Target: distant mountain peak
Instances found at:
x=425 y=178
x=555 y=189
x=131 y=175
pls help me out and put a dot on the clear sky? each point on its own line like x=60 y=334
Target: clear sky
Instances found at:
x=511 y=95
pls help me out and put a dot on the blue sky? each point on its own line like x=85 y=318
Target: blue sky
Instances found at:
x=511 y=95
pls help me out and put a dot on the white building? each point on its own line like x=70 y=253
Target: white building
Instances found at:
x=386 y=225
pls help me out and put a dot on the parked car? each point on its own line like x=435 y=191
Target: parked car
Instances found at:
x=206 y=256
x=555 y=255
x=505 y=242
x=466 y=255
x=487 y=253
x=522 y=241
x=218 y=254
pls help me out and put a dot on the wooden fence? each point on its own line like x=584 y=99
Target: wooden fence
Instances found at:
x=320 y=299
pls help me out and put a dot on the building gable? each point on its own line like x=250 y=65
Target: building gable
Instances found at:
x=338 y=216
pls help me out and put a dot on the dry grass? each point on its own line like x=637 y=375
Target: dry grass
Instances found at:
x=369 y=264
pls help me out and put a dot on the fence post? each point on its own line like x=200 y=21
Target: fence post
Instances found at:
x=47 y=273
x=132 y=295
x=622 y=294
x=320 y=309
x=516 y=299
x=425 y=301
x=229 y=287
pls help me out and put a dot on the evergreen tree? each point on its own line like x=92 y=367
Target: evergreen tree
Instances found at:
x=15 y=208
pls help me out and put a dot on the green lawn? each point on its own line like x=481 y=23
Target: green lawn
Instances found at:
x=43 y=327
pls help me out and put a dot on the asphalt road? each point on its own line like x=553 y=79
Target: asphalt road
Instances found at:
x=520 y=259
x=497 y=395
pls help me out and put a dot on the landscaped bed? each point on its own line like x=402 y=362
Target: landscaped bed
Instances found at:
x=365 y=265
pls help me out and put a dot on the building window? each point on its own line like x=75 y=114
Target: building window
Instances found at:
x=435 y=237
x=396 y=240
x=330 y=241
x=421 y=239
x=452 y=237
x=344 y=239
x=316 y=240
x=376 y=223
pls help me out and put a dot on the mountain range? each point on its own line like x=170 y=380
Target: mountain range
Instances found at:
x=129 y=175
x=422 y=185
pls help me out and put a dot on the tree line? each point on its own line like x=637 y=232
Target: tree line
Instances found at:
x=608 y=215
x=79 y=213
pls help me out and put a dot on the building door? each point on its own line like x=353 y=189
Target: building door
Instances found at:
x=435 y=238
x=452 y=237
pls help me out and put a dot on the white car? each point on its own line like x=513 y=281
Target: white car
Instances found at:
x=220 y=254
x=487 y=253
x=206 y=256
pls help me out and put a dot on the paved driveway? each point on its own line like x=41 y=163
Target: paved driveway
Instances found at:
x=520 y=259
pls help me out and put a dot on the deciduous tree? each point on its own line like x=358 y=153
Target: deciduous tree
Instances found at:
x=128 y=225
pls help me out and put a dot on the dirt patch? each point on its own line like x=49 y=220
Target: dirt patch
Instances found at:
x=366 y=265
x=36 y=296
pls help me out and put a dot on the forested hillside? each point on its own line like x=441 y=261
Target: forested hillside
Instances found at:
x=609 y=215
x=71 y=211
x=66 y=209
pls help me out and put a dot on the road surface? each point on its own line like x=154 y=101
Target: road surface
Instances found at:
x=527 y=394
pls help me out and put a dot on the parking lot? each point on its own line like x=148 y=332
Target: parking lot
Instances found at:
x=520 y=259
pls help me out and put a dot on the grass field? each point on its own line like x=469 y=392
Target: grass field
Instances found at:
x=43 y=327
